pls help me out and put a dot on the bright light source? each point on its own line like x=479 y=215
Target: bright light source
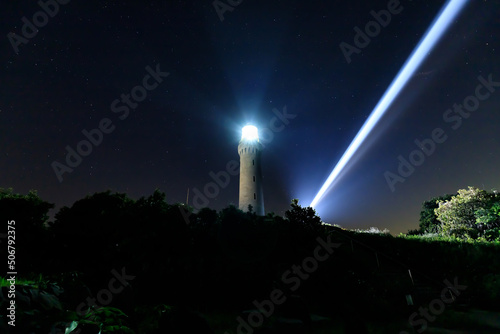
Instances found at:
x=250 y=132
x=431 y=37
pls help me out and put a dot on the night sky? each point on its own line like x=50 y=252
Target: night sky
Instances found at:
x=266 y=58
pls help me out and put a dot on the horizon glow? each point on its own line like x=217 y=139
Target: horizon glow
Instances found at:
x=443 y=20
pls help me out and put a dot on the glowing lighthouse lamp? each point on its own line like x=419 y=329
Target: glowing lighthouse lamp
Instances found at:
x=249 y=150
x=250 y=132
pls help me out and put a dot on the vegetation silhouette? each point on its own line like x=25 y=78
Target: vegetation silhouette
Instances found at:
x=200 y=271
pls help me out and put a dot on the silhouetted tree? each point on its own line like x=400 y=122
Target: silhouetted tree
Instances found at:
x=305 y=218
x=428 y=220
x=87 y=234
x=30 y=214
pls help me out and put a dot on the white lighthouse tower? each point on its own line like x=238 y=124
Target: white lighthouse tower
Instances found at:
x=249 y=150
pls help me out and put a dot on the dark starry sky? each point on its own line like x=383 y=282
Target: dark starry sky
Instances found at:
x=263 y=56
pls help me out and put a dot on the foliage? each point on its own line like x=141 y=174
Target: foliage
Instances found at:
x=30 y=214
x=472 y=213
x=303 y=217
x=414 y=232
x=104 y=320
x=188 y=262
x=428 y=220
x=38 y=305
x=373 y=230
x=96 y=220
x=29 y=208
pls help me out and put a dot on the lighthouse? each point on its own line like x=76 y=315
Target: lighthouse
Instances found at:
x=249 y=150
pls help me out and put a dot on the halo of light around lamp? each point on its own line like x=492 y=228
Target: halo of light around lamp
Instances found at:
x=250 y=132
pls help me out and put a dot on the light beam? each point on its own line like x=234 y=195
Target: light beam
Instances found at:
x=444 y=19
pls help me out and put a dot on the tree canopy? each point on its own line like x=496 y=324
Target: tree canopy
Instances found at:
x=471 y=213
